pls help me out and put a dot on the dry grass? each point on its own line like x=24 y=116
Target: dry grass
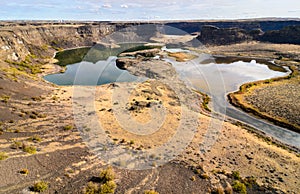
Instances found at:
x=182 y=57
x=274 y=100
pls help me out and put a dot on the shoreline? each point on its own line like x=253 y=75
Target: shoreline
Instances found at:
x=262 y=135
x=233 y=100
x=55 y=68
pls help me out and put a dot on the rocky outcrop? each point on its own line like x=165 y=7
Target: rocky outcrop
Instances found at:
x=164 y=72
x=221 y=36
x=145 y=53
x=213 y=35
x=256 y=33
x=20 y=41
x=290 y=35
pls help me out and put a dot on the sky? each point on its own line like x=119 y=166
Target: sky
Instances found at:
x=124 y=10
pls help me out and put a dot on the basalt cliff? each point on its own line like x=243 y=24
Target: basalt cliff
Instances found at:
x=18 y=40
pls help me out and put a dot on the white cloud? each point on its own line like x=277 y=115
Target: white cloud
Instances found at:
x=124 y=6
x=106 y=5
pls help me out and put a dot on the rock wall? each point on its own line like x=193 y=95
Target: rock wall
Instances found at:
x=213 y=35
x=230 y=32
x=248 y=25
x=221 y=36
x=289 y=34
x=20 y=41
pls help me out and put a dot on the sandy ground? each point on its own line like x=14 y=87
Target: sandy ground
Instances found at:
x=235 y=149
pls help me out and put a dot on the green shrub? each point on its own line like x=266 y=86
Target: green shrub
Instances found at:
x=35 y=138
x=250 y=181
x=5 y=98
x=68 y=127
x=91 y=188
x=197 y=171
x=29 y=149
x=193 y=178
x=35 y=70
x=24 y=171
x=236 y=175
x=239 y=187
x=40 y=186
x=108 y=187
x=44 y=47
x=27 y=63
x=107 y=174
x=36 y=98
x=3 y=156
x=33 y=116
x=268 y=81
x=206 y=100
x=16 y=145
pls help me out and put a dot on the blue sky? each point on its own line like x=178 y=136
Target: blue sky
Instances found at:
x=146 y=9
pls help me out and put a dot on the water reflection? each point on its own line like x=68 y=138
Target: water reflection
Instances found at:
x=218 y=80
x=91 y=74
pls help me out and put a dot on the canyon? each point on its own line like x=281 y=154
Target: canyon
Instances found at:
x=40 y=115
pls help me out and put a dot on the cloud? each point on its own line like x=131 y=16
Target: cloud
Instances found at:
x=106 y=5
x=147 y=9
x=30 y=5
x=124 y=6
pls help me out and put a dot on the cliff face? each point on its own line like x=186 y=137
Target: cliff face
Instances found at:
x=220 y=33
x=245 y=25
x=217 y=36
x=222 y=36
x=20 y=41
x=290 y=34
